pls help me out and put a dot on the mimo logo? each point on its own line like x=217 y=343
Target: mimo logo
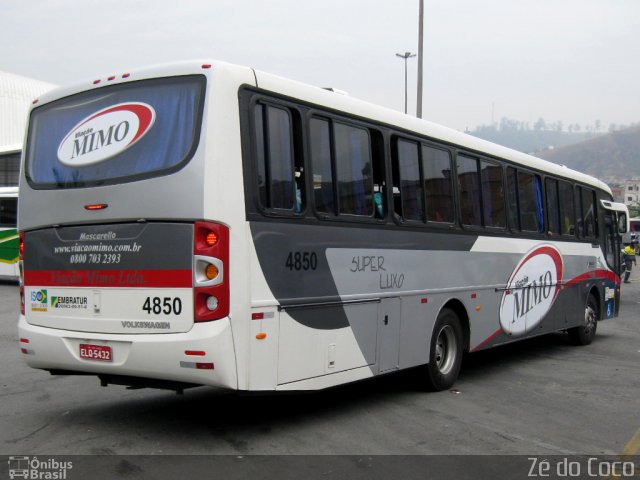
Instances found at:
x=106 y=133
x=531 y=290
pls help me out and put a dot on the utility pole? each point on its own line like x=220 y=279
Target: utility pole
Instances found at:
x=420 y=58
x=405 y=56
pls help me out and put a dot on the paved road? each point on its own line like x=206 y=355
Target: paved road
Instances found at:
x=538 y=397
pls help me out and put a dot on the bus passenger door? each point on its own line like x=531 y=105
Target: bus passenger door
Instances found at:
x=612 y=248
x=612 y=242
x=389 y=334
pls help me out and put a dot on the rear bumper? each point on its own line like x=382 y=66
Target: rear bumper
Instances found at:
x=180 y=357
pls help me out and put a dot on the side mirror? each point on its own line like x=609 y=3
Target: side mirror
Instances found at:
x=622 y=223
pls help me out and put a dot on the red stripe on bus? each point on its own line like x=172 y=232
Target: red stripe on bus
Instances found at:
x=594 y=274
x=487 y=340
x=109 y=278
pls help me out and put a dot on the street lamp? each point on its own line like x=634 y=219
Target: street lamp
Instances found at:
x=420 y=57
x=405 y=56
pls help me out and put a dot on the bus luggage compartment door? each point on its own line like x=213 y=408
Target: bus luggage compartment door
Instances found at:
x=322 y=340
x=389 y=334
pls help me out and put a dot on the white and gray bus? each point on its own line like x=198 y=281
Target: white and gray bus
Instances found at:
x=203 y=223
x=9 y=174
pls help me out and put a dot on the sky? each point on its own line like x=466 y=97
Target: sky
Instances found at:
x=575 y=61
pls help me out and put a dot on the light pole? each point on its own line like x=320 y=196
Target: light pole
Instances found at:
x=420 y=57
x=405 y=56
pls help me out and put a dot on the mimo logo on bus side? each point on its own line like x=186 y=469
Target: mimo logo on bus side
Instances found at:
x=531 y=290
x=106 y=133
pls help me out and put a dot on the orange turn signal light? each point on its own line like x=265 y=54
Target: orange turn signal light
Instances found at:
x=211 y=271
x=96 y=206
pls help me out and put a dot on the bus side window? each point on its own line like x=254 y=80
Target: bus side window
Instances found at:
x=512 y=199
x=579 y=210
x=10 y=170
x=8 y=212
x=438 y=184
x=530 y=202
x=280 y=179
x=589 y=212
x=525 y=201
x=553 y=209
x=567 y=208
x=492 y=195
x=321 y=166
x=409 y=183
x=354 y=169
x=469 y=190
x=347 y=163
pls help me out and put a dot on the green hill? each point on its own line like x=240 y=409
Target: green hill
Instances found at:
x=611 y=157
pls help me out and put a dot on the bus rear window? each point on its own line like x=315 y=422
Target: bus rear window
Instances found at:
x=115 y=134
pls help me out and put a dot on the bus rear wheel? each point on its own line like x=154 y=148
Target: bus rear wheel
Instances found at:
x=585 y=333
x=445 y=355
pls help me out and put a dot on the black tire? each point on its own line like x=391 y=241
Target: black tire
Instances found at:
x=445 y=354
x=585 y=333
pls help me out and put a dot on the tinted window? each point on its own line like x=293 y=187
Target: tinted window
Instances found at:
x=9 y=170
x=411 y=191
x=436 y=166
x=553 y=208
x=469 y=188
x=588 y=212
x=275 y=156
x=567 y=209
x=321 y=165
x=8 y=212
x=512 y=198
x=354 y=171
x=341 y=159
x=525 y=205
x=143 y=129
x=530 y=202
x=579 y=215
x=492 y=194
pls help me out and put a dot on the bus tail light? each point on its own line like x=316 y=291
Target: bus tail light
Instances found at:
x=210 y=271
x=21 y=268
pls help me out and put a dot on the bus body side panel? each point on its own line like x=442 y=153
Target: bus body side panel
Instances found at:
x=9 y=240
x=223 y=201
x=9 y=254
x=382 y=302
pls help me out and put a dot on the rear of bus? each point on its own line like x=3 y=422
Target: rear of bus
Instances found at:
x=125 y=234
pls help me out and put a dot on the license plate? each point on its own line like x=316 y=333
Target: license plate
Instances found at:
x=95 y=352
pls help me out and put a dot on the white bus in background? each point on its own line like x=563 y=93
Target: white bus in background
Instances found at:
x=9 y=174
x=203 y=223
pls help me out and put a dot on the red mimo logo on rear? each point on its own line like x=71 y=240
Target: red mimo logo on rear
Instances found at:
x=106 y=133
